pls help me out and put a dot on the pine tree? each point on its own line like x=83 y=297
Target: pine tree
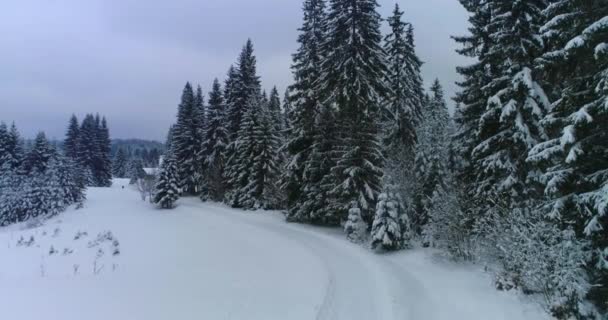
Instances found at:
x=119 y=165
x=574 y=157
x=37 y=159
x=103 y=162
x=304 y=98
x=243 y=90
x=87 y=147
x=287 y=113
x=254 y=172
x=245 y=84
x=432 y=155
x=215 y=143
x=406 y=100
x=198 y=131
x=4 y=144
x=388 y=228
x=353 y=79
x=70 y=144
x=167 y=187
x=472 y=100
x=135 y=170
x=185 y=139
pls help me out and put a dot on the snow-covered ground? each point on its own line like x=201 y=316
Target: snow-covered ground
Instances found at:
x=119 y=258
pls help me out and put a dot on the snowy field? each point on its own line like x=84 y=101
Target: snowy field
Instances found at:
x=119 y=258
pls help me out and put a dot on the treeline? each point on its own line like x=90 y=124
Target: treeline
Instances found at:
x=148 y=152
x=41 y=181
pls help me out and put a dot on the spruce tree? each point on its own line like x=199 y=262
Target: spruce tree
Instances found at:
x=304 y=98
x=254 y=172
x=185 y=139
x=119 y=165
x=103 y=162
x=87 y=147
x=244 y=85
x=388 y=229
x=167 y=186
x=135 y=170
x=242 y=91
x=198 y=131
x=37 y=159
x=316 y=202
x=215 y=143
x=353 y=79
x=405 y=102
x=574 y=157
x=70 y=144
x=472 y=100
x=509 y=126
x=432 y=155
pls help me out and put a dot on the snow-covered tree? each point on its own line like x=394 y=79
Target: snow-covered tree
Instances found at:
x=70 y=144
x=11 y=149
x=167 y=187
x=185 y=142
x=244 y=85
x=37 y=159
x=388 y=228
x=353 y=80
x=119 y=165
x=304 y=98
x=254 y=173
x=243 y=91
x=432 y=155
x=215 y=143
x=472 y=100
x=406 y=100
x=573 y=159
x=135 y=170
x=317 y=205
x=509 y=125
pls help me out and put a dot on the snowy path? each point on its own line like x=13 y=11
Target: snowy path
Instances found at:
x=206 y=261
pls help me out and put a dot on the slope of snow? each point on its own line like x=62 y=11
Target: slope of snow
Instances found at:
x=206 y=261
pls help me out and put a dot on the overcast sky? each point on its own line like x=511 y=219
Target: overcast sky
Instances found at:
x=129 y=59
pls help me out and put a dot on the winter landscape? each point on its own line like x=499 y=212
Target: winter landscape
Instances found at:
x=341 y=159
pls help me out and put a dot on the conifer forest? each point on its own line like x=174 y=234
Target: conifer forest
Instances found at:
x=508 y=175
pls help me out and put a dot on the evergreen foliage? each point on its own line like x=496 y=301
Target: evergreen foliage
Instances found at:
x=167 y=186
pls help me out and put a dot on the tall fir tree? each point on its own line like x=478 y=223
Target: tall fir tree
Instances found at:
x=353 y=80
x=472 y=100
x=167 y=187
x=184 y=142
x=104 y=162
x=243 y=90
x=198 y=131
x=405 y=103
x=432 y=155
x=304 y=98
x=254 y=172
x=70 y=144
x=37 y=159
x=119 y=165
x=575 y=156
x=509 y=126
x=245 y=85
x=215 y=144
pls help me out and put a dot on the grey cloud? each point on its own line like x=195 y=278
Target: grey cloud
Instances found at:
x=129 y=59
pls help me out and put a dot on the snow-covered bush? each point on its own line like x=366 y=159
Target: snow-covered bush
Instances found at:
x=538 y=257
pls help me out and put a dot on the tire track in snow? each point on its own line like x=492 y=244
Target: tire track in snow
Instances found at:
x=357 y=277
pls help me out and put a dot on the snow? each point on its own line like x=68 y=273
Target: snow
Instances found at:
x=207 y=261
